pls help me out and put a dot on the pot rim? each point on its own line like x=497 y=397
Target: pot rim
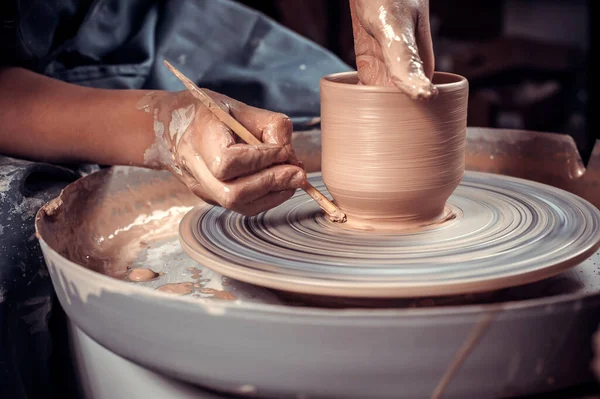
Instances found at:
x=333 y=80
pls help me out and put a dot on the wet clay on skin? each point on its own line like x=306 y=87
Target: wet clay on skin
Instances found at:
x=391 y=162
x=169 y=128
x=196 y=273
x=112 y=234
x=192 y=143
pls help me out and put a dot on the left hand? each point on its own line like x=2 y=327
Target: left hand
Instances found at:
x=393 y=46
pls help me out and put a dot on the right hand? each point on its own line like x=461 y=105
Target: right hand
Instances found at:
x=393 y=46
x=213 y=162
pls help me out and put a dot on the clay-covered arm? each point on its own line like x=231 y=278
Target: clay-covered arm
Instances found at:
x=49 y=120
x=393 y=46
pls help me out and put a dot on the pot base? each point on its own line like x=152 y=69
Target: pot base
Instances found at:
x=395 y=225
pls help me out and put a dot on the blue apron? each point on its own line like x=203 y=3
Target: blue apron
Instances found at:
x=120 y=44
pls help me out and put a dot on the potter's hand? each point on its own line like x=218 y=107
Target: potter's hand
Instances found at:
x=215 y=164
x=392 y=42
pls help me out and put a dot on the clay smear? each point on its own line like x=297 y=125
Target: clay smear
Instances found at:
x=388 y=161
x=393 y=45
x=177 y=288
x=142 y=274
x=163 y=153
x=157 y=155
x=224 y=295
x=181 y=119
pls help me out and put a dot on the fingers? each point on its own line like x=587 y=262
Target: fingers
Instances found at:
x=402 y=59
x=196 y=187
x=242 y=160
x=371 y=70
x=247 y=195
x=247 y=179
x=269 y=127
x=227 y=160
x=425 y=43
x=243 y=194
x=387 y=32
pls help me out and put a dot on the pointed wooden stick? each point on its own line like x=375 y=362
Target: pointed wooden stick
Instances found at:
x=334 y=213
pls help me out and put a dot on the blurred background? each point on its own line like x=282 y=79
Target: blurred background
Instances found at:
x=527 y=61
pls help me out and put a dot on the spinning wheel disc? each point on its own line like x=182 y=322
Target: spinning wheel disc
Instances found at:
x=507 y=232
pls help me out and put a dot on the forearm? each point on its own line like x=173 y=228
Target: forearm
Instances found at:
x=49 y=120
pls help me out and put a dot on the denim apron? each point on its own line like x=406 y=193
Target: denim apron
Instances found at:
x=120 y=44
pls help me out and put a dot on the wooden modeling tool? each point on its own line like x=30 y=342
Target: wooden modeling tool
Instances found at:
x=334 y=213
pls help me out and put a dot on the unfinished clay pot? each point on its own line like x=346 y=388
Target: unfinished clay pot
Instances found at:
x=390 y=161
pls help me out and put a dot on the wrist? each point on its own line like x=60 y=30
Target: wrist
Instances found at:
x=171 y=113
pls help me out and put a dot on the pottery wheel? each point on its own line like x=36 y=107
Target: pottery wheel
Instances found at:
x=506 y=232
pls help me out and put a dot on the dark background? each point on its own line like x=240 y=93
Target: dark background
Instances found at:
x=527 y=61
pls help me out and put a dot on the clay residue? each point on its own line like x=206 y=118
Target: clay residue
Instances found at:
x=177 y=288
x=196 y=272
x=393 y=45
x=387 y=159
x=145 y=103
x=115 y=214
x=181 y=119
x=142 y=274
x=225 y=295
x=394 y=225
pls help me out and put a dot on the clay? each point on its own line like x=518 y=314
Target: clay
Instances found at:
x=142 y=274
x=195 y=273
x=225 y=295
x=158 y=155
x=388 y=161
x=393 y=46
x=110 y=234
x=177 y=288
